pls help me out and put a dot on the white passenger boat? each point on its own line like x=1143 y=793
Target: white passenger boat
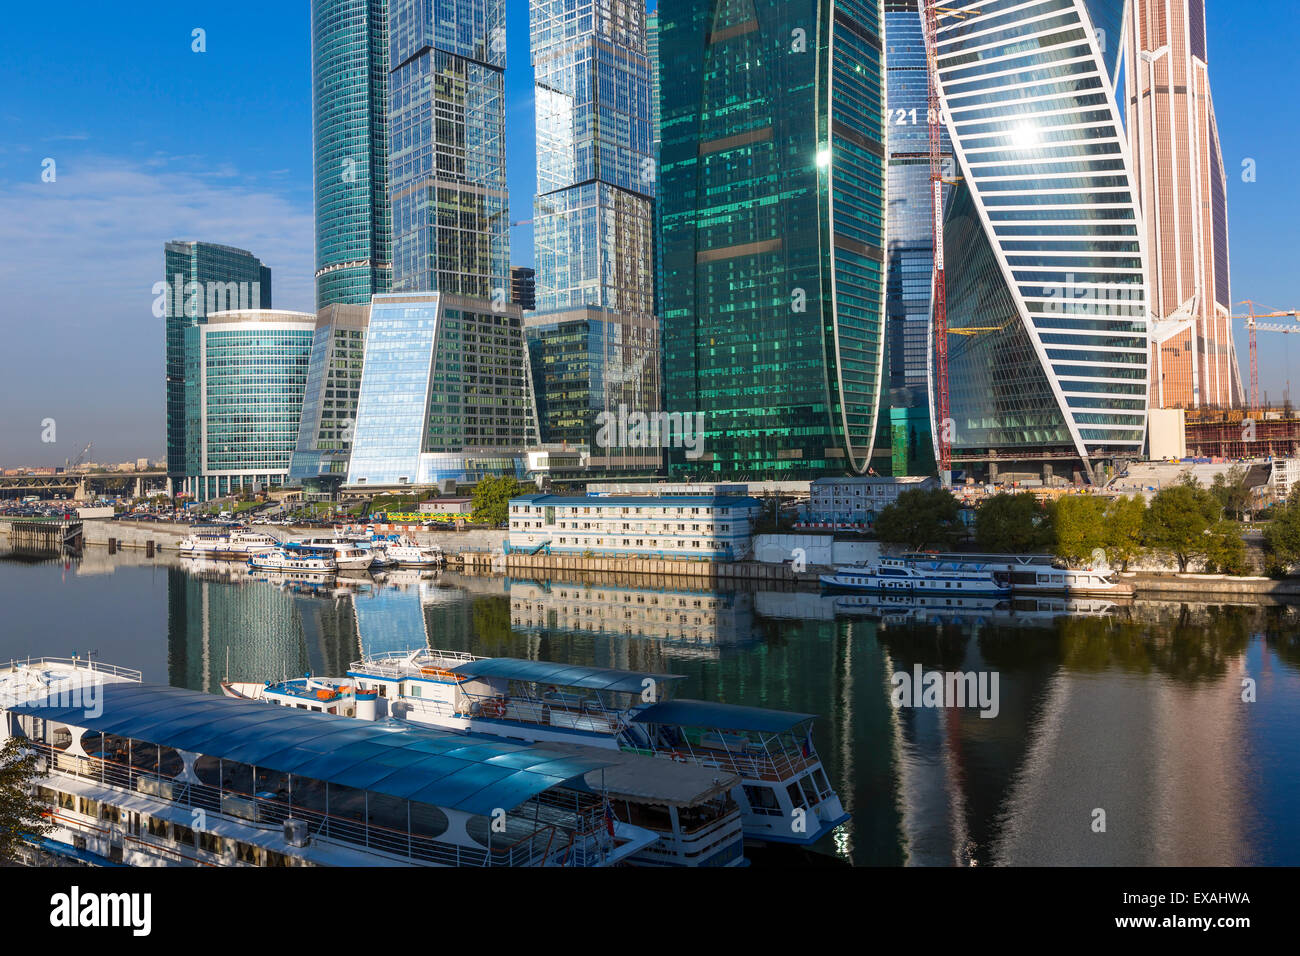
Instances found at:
x=688 y=807
x=784 y=794
x=150 y=775
x=296 y=561
x=933 y=577
x=221 y=542
x=1037 y=579
x=348 y=556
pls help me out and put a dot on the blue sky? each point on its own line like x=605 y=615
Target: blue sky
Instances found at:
x=152 y=141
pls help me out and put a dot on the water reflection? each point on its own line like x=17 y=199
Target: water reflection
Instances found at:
x=1134 y=709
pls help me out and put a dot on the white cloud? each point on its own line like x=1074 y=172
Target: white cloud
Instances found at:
x=78 y=261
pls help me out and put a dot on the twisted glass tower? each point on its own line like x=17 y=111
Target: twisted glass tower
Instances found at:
x=1045 y=254
x=772 y=192
x=350 y=132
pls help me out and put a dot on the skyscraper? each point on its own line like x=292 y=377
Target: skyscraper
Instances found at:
x=329 y=411
x=1182 y=187
x=199 y=278
x=447 y=169
x=909 y=226
x=1046 y=266
x=245 y=374
x=443 y=393
x=350 y=135
x=594 y=340
x=772 y=192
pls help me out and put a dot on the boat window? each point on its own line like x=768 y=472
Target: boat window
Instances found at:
x=796 y=798
x=762 y=800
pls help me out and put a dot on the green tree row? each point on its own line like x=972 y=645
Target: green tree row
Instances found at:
x=1184 y=522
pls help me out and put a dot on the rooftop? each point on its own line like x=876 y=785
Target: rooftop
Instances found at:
x=475 y=775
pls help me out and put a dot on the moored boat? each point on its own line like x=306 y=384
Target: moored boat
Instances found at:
x=294 y=560
x=929 y=577
x=222 y=542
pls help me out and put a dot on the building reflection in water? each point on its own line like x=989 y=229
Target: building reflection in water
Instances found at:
x=1134 y=710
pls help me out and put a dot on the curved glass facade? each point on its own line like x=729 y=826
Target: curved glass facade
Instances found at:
x=772 y=227
x=1043 y=234
x=350 y=129
x=320 y=458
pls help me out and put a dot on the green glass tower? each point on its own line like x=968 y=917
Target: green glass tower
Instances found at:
x=350 y=132
x=772 y=193
x=200 y=278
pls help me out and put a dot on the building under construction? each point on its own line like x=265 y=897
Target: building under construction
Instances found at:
x=1236 y=433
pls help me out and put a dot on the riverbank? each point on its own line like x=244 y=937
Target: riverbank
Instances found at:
x=1147 y=584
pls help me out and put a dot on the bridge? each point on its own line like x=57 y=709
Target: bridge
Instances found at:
x=43 y=535
x=82 y=484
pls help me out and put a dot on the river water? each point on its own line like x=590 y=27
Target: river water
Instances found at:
x=1150 y=734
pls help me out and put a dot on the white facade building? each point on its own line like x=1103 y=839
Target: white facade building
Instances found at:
x=706 y=528
x=857 y=501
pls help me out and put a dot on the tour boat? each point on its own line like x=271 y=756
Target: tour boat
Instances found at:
x=145 y=774
x=783 y=792
x=225 y=543
x=347 y=555
x=929 y=577
x=688 y=807
x=1038 y=579
x=318 y=562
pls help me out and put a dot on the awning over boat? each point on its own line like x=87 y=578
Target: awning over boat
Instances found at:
x=657 y=780
x=562 y=675
x=474 y=774
x=701 y=713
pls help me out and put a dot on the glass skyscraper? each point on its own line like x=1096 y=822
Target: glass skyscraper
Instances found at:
x=350 y=133
x=320 y=457
x=446 y=161
x=594 y=339
x=772 y=185
x=444 y=392
x=1182 y=185
x=909 y=226
x=1046 y=266
x=199 y=278
x=245 y=376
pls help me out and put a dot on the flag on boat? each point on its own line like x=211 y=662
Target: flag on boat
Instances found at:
x=807 y=744
x=609 y=818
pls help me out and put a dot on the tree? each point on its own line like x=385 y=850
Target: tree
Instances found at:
x=1179 y=520
x=20 y=811
x=919 y=519
x=1225 y=551
x=1231 y=492
x=1282 y=536
x=1124 y=517
x=1013 y=524
x=1080 y=528
x=491 y=500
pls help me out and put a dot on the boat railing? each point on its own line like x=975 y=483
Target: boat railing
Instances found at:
x=750 y=765
x=270 y=812
x=78 y=663
x=399 y=664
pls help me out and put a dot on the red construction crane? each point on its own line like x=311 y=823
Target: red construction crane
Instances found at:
x=930 y=27
x=1251 y=327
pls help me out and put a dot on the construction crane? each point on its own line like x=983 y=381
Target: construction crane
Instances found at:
x=931 y=12
x=1252 y=325
x=75 y=462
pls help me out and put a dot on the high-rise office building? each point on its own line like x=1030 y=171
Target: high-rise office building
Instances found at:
x=1045 y=262
x=523 y=288
x=1182 y=187
x=446 y=165
x=594 y=340
x=772 y=189
x=245 y=377
x=350 y=136
x=329 y=410
x=200 y=278
x=909 y=225
x=444 y=392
